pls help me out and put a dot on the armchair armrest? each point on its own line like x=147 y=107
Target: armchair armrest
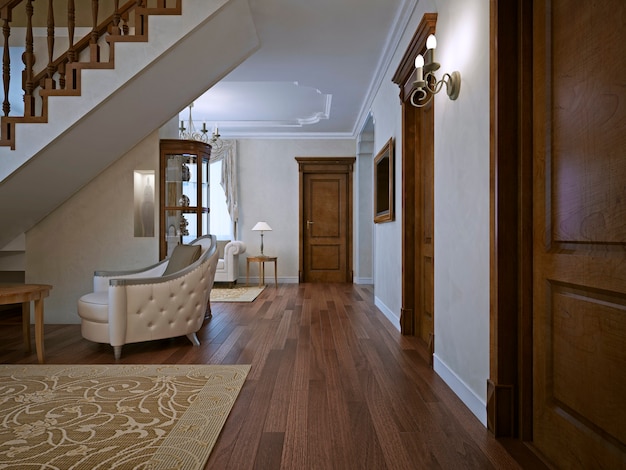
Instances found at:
x=235 y=247
x=101 y=279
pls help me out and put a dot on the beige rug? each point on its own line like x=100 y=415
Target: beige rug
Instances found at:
x=114 y=416
x=236 y=294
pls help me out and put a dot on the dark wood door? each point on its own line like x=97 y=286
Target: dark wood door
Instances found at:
x=425 y=214
x=325 y=220
x=418 y=262
x=579 y=262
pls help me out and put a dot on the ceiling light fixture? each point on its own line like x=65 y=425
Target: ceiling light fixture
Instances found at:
x=426 y=84
x=190 y=133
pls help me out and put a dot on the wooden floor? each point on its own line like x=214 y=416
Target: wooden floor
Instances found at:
x=333 y=385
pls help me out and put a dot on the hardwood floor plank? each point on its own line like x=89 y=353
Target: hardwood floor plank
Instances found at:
x=277 y=414
x=296 y=447
x=270 y=451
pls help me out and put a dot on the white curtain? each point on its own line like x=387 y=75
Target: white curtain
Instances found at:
x=228 y=156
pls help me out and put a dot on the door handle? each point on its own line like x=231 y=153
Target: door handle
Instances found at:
x=308 y=224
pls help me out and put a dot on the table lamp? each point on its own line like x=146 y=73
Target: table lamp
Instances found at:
x=261 y=227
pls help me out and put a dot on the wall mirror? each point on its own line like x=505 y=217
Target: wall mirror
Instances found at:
x=384 y=184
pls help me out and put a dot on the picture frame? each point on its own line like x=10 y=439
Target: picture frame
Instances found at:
x=384 y=182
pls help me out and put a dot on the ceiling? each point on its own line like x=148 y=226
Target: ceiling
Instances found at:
x=312 y=75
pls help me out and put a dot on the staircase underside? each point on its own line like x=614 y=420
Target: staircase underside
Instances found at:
x=150 y=84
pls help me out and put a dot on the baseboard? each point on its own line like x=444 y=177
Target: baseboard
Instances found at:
x=395 y=321
x=475 y=404
x=269 y=280
x=363 y=280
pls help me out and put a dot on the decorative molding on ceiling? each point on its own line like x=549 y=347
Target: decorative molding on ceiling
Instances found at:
x=234 y=105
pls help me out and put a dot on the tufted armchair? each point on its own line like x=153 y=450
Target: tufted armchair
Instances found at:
x=228 y=262
x=164 y=300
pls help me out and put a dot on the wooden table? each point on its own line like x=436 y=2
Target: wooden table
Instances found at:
x=24 y=293
x=262 y=260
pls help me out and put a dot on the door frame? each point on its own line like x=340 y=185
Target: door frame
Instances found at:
x=411 y=228
x=326 y=165
x=509 y=387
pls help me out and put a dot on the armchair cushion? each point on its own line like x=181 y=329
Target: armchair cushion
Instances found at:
x=182 y=256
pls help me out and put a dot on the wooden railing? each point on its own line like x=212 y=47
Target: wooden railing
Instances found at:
x=61 y=73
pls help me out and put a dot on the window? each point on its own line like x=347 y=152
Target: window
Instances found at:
x=220 y=222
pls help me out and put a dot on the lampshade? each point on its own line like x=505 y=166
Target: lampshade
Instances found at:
x=261 y=226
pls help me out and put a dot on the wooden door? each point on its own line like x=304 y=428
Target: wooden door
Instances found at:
x=325 y=219
x=417 y=315
x=579 y=262
x=425 y=214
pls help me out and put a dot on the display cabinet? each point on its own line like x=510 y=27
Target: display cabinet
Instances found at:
x=184 y=193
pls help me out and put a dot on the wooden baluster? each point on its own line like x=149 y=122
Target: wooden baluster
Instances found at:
x=125 y=27
x=139 y=19
x=71 y=26
x=116 y=18
x=61 y=71
x=50 y=69
x=29 y=61
x=93 y=41
x=6 y=66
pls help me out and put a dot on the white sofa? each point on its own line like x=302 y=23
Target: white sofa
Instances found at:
x=228 y=260
x=151 y=303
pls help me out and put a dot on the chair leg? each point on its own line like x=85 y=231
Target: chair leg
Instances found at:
x=117 y=352
x=194 y=339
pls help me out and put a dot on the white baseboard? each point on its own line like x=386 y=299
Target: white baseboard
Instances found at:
x=475 y=404
x=363 y=280
x=395 y=321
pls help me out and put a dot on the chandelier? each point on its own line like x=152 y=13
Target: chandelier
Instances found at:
x=202 y=135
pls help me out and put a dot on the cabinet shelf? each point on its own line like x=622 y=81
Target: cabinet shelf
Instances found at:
x=188 y=209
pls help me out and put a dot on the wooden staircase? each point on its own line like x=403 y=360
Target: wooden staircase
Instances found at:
x=62 y=74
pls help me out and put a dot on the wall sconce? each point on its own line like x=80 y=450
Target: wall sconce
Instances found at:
x=426 y=84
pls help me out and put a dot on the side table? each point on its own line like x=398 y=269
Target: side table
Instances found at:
x=24 y=293
x=262 y=260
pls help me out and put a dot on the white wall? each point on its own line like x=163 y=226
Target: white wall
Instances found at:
x=92 y=230
x=461 y=198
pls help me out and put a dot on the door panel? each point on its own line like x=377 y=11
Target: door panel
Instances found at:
x=579 y=341
x=325 y=235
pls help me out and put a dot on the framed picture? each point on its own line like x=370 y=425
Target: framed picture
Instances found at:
x=384 y=184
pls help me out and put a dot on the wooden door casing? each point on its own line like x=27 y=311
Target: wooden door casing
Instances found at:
x=417 y=315
x=579 y=289
x=325 y=219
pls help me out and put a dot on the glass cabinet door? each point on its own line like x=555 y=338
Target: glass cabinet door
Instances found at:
x=184 y=193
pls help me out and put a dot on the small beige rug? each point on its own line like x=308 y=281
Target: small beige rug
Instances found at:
x=114 y=416
x=236 y=294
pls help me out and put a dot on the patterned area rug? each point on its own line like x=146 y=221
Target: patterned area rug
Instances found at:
x=114 y=416
x=236 y=294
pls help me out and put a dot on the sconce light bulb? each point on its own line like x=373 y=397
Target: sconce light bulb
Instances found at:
x=431 y=42
x=419 y=61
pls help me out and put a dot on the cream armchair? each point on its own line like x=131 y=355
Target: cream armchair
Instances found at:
x=228 y=262
x=164 y=300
